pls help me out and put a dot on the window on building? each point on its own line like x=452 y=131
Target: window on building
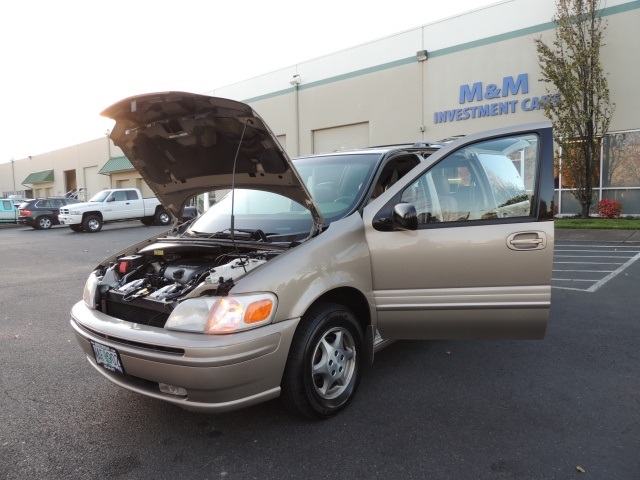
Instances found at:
x=621 y=165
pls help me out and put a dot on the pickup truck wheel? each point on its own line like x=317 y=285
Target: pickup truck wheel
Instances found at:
x=162 y=218
x=325 y=362
x=43 y=222
x=92 y=224
x=76 y=228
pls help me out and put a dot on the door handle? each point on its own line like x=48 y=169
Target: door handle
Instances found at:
x=534 y=240
x=527 y=242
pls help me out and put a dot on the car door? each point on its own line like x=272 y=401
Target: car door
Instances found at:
x=462 y=246
x=135 y=204
x=117 y=206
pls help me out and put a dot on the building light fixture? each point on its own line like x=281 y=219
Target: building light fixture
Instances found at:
x=422 y=55
x=296 y=80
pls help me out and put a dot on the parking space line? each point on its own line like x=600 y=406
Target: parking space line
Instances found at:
x=592 y=256
x=596 y=251
x=585 y=271
x=613 y=274
x=591 y=263
x=573 y=280
x=582 y=260
x=595 y=246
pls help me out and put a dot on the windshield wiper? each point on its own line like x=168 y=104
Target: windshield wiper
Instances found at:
x=256 y=235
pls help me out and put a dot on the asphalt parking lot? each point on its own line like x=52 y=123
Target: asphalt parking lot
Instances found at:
x=425 y=409
x=585 y=261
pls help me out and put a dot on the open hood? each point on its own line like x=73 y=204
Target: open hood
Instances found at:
x=184 y=144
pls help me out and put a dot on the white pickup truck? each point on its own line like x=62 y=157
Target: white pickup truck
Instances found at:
x=113 y=205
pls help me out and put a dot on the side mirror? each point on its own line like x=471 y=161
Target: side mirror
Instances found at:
x=404 y=217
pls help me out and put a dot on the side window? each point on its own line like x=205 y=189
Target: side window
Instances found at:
x=132 y=195
x=487 y=180
x=119 y=196
x=393 y=171
x=7 y=204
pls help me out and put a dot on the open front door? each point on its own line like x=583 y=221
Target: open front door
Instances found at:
x=477 y=262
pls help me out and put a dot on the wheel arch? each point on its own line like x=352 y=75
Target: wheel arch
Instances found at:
x=97 y=213
x=357 y=302
x=160 y=208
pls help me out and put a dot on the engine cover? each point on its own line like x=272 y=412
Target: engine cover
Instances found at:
x=184 y=270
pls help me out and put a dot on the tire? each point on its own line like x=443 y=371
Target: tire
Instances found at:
x=76 y=228
x=147 y=220
x=44 y=222
x=325 y=362
x=162 y=218
x=92 y=224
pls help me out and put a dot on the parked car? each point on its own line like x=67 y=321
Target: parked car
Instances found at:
x=113 y=205
x=290 y=284
x=42 y=213
x=8 y=211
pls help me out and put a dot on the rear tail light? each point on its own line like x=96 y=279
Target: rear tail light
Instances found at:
x=24 y=212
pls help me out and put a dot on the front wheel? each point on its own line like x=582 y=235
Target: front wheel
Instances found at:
x=92 y=224
x=325 y=362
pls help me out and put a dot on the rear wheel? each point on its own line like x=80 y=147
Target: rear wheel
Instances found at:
x=162 y=218
x=44 y=222
x=92 y=224
x=325 y=362
x=76 y=228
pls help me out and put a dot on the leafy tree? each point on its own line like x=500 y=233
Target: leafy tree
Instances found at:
x=580 y=107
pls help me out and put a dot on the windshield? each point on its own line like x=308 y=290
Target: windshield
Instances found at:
x=100 y=196
x=336 y=183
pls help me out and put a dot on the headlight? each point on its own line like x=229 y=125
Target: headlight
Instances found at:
x=74 y=212
x=90 y=293
x=215 y=315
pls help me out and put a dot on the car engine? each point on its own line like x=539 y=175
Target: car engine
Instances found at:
x=145 y=287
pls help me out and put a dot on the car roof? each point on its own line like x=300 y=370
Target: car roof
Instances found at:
x=416 y=147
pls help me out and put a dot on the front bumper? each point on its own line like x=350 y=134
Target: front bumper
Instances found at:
x=70 y=219
x=219 y=372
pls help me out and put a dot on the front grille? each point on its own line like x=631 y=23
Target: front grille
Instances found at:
x=145 y=312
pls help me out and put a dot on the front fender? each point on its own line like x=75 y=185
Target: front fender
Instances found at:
x=338 y=257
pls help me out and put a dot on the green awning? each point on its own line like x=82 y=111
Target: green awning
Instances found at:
x=39 y=177
x=116 y=164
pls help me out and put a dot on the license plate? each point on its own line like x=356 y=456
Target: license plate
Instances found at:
x=107 y=357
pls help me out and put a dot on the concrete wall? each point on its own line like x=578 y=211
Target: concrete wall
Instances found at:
x=383 y=83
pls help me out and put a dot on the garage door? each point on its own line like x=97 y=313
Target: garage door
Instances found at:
x=341 y=138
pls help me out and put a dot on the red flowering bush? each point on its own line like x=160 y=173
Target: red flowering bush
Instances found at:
x=608 y=208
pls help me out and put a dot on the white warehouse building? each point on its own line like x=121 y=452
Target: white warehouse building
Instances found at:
x=472 y=72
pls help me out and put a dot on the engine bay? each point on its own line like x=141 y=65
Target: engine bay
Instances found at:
x=146 y=286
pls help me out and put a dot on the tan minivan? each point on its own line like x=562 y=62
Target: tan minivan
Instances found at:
x=289 y=284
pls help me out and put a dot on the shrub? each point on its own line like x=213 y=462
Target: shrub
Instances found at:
x=608 y=208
